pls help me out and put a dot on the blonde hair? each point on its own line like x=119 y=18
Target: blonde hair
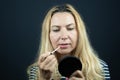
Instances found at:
x=91 y=66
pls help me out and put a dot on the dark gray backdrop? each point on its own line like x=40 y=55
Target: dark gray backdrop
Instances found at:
x=20 y=32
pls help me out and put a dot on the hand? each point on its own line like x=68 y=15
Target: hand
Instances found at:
x=77 y=75
x=47 y=64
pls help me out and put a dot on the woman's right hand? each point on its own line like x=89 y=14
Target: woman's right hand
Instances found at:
x=47 y=64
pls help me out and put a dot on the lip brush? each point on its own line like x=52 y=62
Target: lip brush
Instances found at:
x=54 y=50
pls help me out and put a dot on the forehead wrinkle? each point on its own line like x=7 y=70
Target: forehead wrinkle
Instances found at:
x=70 y=24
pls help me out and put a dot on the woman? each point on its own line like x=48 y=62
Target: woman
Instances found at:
x=64 y=30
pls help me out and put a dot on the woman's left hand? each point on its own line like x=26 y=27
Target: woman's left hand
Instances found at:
x=77 y=75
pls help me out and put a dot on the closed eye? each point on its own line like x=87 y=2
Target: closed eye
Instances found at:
x=70 y=29
x=55 y=28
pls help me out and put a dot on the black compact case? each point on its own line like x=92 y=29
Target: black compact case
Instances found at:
x=68 y=65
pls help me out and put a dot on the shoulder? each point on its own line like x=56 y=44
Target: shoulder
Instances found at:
x=32 y=71
x=104 y=64
x=105 y=69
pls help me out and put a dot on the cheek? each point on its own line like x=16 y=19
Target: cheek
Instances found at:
x=74 y=38
x=53 y=38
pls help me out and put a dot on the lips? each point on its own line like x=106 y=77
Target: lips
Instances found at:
x=64 y=45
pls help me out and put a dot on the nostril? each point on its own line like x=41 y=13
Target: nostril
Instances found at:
x=64 y=38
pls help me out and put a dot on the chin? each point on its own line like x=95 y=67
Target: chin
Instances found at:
x=65 y=52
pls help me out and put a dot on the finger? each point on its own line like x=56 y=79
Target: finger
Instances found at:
x=74 y=78
x=43 y=57
x=78 y=74
x=51 y=65
x=46 y=61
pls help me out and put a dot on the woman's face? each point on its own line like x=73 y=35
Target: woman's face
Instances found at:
x=63 y=32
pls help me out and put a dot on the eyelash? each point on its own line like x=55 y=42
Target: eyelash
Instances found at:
x=69 y=29
x=56 y=30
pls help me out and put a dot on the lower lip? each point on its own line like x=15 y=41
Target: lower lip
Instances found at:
x=64 y=46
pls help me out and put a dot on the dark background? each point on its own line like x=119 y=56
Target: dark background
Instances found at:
x=20 y=28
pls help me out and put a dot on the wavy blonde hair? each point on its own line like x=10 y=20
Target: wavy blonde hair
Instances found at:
x=91 y=66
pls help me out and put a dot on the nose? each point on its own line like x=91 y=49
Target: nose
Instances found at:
x=64 y=35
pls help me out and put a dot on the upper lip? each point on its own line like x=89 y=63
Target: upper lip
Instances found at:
x=64 y=43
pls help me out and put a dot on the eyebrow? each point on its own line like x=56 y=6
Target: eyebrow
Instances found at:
x=66 y=25
x=70 y=24
x=55 y=26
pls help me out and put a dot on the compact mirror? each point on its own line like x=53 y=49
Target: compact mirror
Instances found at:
x=68 y=65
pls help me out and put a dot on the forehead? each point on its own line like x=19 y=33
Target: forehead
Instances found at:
x=62 y=18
